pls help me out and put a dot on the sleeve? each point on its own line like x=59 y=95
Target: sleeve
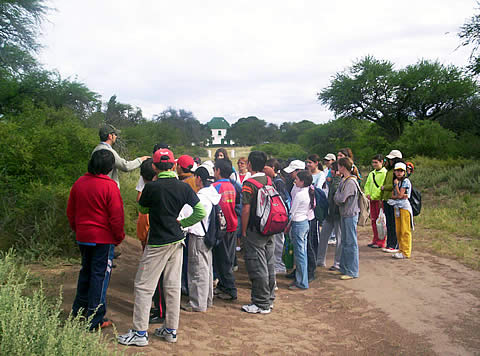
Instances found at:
x=116 y=214
x=408 y=186
x=71 y=208
x=368 y=184
x=321 y=180
x=247 y=193
x=344 y=191
x=295 y=204
x=198 y=214
x=140 y=184
x=124 y=165
x=388 y=183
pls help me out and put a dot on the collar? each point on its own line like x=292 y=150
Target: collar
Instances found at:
x=258 y=174
x=223 y=180
x=167 y=174
x=106 y=144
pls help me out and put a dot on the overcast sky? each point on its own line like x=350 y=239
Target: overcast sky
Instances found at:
x=240 y=58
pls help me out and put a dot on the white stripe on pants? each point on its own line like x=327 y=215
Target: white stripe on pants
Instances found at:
x=200 y=274
x=155 y=261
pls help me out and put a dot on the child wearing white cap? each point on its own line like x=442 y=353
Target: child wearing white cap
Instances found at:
x=402 y=188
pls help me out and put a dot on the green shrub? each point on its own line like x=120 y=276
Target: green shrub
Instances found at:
x=282 y=150
x=30 y=325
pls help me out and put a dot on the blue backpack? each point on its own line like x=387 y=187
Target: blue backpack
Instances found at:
x=321 y=205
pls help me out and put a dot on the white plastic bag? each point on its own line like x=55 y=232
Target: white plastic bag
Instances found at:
x=381 y=225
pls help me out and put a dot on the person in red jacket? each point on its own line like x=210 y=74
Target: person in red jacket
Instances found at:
x=95 y=214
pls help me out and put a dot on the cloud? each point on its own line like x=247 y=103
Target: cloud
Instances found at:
x=234 y=59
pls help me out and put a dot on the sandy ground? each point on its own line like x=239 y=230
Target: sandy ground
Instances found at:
x=422 y=306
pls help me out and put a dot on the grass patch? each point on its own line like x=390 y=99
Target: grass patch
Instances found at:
x=449 y=223
x=32 y=325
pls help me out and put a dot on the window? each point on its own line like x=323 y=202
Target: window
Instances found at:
x=219 y=133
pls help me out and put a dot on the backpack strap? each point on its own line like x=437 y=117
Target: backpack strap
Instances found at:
x=374 y=181
x=257 y=183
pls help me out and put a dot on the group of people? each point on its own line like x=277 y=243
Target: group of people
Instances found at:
x=184 y=202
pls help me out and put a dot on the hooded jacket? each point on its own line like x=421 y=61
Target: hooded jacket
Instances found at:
x=208 y=197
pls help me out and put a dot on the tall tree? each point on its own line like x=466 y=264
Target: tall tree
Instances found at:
x=19 y=28
x=191 y=130
x=470 y=36
x=251 y=130
x=373 y=90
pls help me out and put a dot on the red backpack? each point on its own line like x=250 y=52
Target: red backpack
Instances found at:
x=271 y=214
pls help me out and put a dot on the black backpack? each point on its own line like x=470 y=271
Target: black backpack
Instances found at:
x=217 y=223
x=415 y=201
x=321 y=205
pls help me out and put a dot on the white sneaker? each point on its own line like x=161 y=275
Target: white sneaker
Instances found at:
x=133 y=338
x=332 y=242
x=168 y=335
x=254 y=309
x=238 y=248
x=399 y=256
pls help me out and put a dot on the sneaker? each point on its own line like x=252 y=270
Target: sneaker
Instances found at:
x=399 y=256
x=106 y=324
x=155 y=319
x=346 y=277
x=333 y=268
x=371 y=244
x=238 y=248
x=375 y=246
x=332 y=242
x=132 y=338
x=336 y=271
x=291 y=275
x=225 y=296
x=169 y=335
x=235 y=268
x=389 y=250
x=254 y=309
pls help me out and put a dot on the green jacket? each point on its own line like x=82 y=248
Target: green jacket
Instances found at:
x=373 y=189
x=387 y=186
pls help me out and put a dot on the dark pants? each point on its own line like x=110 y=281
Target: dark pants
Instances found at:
x=185 y=267
x=312 y=248
x=93 y=282
x=159 y=299
x=390 y=220
x=224 y=254
x=259 y=253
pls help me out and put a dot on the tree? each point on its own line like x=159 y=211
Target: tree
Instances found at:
x=121 y=115
x=470 y=36
x=290 y=131
x=190 y=129
x=373 y=90
x=19 y=25
x=248 y=131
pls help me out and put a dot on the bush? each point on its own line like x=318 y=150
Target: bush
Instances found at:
x=282 y=150
x=30 y=325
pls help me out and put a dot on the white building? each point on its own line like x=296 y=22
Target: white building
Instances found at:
x=219 y=128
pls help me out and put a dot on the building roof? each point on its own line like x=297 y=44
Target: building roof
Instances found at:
x=217 y=123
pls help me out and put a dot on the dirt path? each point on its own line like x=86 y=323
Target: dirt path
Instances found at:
x=426 y=305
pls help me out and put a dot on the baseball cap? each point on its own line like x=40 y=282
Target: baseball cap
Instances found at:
x=400 y=165
x=294 y=165
x=330 y=157
x=185 y=161
x=108 y=129
x=394 y=154
x=161 y=154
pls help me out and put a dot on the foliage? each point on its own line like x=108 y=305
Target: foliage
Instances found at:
x=121 y=115
x=249 y=131
x=289 y=132
x=31 y=325
x=373 y=90
x=470 y=36
x=19 y=24
x=187 y=128
x=282 y=151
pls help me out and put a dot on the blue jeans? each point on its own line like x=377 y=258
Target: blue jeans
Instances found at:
x=93 y=282
x=299 y=234
x=349 y=258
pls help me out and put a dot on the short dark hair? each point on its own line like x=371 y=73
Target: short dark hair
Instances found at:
x=378 y=157
x=163 y=166
x=202 y=172
x=273 y=162
x=306 y=177
x=346 y=162
x=146 y=170
x=225 y=167
x=334 y=166
x=257 y=159
x=101 y=162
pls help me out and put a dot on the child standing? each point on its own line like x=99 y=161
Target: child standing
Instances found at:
x=402 y=188
x=373 y=192
x=301 y=213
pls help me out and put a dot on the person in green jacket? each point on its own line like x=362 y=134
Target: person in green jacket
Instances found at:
x=373 y=192
x=393 y=157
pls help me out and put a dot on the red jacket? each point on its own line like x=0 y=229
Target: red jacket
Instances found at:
x=227 y=202
x=95 y=210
